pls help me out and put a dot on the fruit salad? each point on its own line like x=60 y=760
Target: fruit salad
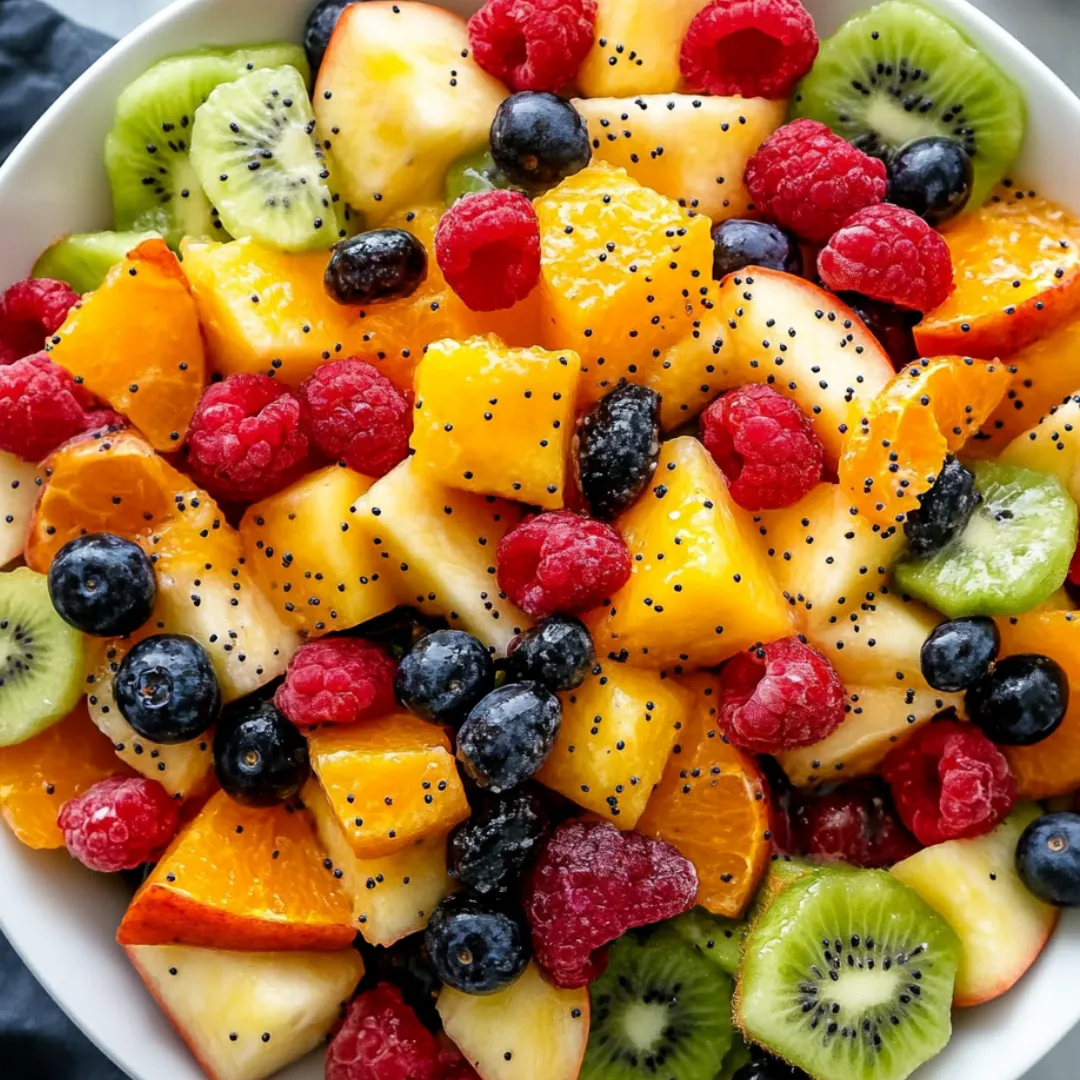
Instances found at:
x=544 y=546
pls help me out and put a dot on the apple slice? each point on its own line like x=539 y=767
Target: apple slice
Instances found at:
x=529 y=1030
x=401 y=98
x=245 y=1015
x=19 y=487
x=973 y=884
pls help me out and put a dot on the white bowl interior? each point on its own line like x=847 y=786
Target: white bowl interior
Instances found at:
x=62 y=918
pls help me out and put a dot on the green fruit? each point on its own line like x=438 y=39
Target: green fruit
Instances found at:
x=899 y=72
x=83 y=259
x=472 y=173
x=738 y=1056
x=42 y=671
x=1011 y=556
x=717 y=938
x=849 y=974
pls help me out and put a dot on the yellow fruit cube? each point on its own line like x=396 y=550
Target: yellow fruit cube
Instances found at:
x=495 y=420
x=701 y=588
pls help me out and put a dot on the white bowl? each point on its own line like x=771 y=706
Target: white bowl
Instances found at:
x=61 y=918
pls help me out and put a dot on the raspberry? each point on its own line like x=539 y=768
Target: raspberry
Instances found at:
x=337 y=681
x=382 y=1039
x=857 y=825
x=779 y=696
x=949 y=781
x=890 y=254
x=560 y=561
x=533 y=44
x=119 y=823
x=41 y=406
x=30 y=311
x=810 y=181
x=591 y=885
x=765 y=446
x=488 y=248
x=245 y=440
x=454 y=1066
x=756 y=48
x=355 y=414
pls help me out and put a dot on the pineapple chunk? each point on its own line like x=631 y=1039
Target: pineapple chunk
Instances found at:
x=20 y=488
x=1052 y=446
x=623 y=272
x=439 y=545
x=636 y=48
x=392 y=896
x=690 y=148
x=701 y=589
x=617 y=732
x=494 y=420
x=304 y=549
x=268 y=337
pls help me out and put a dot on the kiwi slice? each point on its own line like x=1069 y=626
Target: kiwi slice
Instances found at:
x=714 y=937
x=83 y=259
x=849 y=973
x=659 y=1009
x=736 y=1058
x=899 y=72
x=146 y=153
x=1012 y=555
x=42 y=671
x=472 y=173
x=256 y=152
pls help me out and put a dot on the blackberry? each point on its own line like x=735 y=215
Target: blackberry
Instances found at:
x=943 y=511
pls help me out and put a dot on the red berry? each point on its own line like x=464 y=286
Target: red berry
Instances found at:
x=488 y=248
x=355 y=414
x=454 y=1066
x=382 y=1039
x=949 y=781
x=119 y=823
x=533 y=44
x=765 y=446
x=756 y=48
x=30 y=311
x=890 y=254
x=810 y=181
x=856 y=825
x=561 y=561
x=337 y=681
x=245 y=440
x=41 y=406
x=779 y=696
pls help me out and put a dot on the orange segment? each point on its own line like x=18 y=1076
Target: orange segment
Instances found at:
x=241 y=878
x=1050 y=767
x=38 y=776
x=926 y=411
x=391 y=782
x=1016 y=263
x=711 y=805
x=136 y=343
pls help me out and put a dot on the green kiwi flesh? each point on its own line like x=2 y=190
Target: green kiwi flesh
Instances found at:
x=659 y=1010
x=42 y=670
x=738 y=1056
x=899 y=72
x=154 y=187
x=260 y=161
x=83 y=259
x=714 y=937
x=849 y=973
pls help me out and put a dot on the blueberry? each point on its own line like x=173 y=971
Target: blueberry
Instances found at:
x=557 y=653
x=1021 y=702
x=739 y=242
x=959 y=653
x=931 y=177
x=102 y=584
x=1048 y=858
x=444 y=676
x=376 y=266
x=769 y=1068
x=892 y=326
x=318 y=28
x=259 y=757
x=475 y=946
x=508 y=735
x=166 y=689
x=618 y=448
x=538 y=139
x=489 y=851
x=943 y=511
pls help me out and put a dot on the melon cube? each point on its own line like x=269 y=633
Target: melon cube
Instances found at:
x=495 y=420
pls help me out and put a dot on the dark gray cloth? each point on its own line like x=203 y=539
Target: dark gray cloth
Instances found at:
x=41 y=52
